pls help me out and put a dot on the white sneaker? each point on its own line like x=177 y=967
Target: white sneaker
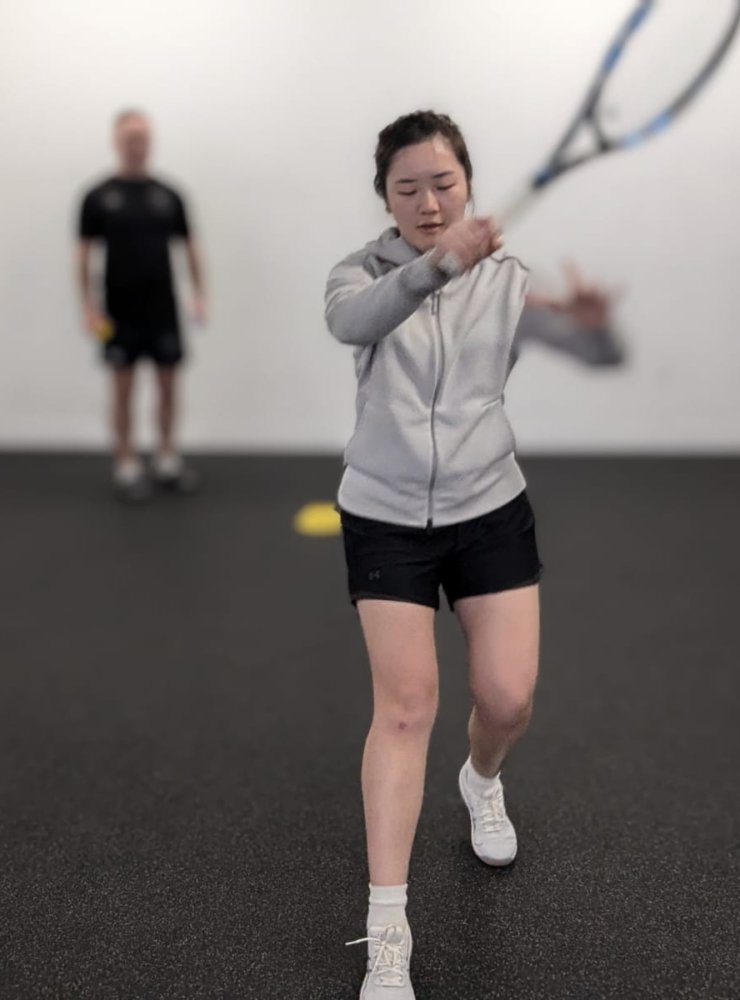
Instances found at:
x=492 y=833
x=389 y=954
x=130 y=481
x=167 y=465
x=173 y=475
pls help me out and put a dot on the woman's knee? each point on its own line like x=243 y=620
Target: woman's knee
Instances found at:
x=505 y=709
x=408 y=710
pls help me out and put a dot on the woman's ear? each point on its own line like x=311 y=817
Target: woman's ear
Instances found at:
x=470 y=204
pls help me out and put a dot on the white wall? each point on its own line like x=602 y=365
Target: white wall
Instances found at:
x=266 y=115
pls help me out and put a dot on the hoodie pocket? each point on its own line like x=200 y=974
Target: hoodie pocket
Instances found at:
x=472 y=441
x=392 y=444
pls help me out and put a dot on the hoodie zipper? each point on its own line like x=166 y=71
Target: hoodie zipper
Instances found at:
x=440 y=356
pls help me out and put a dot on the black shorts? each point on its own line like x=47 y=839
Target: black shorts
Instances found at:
x=133 y=341
x=486 y=555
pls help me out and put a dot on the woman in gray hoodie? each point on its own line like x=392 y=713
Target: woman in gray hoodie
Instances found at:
x=432 y=497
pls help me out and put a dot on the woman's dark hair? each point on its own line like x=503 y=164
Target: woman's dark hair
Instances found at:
x=410 y=129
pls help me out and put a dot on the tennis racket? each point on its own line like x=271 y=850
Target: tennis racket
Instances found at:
x=658 y=62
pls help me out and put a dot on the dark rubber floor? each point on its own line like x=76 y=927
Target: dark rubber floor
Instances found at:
x=183 y=702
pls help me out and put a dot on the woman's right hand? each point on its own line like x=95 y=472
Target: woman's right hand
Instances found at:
x=466 y=243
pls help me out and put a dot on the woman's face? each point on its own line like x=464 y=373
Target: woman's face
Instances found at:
x=426 y=190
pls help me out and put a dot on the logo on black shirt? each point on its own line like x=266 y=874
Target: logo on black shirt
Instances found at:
x=112 y=200
x=160 y=201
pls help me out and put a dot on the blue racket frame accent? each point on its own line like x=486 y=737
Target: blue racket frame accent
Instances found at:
x=620 y=42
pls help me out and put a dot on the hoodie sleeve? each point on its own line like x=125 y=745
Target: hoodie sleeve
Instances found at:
x=592 y=347
x=362 y=310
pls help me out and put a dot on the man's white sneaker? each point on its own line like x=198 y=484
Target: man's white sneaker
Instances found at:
x=389 y=954
x=172 y=474
x=130 y=481
x=492 y=833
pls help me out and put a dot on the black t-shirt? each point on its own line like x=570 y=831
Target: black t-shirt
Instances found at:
x=136 y=219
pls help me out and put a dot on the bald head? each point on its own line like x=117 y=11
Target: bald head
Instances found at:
x=132 y=137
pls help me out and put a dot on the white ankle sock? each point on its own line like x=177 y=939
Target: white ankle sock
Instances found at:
x=477 y=782
x=387 y=906
x=167 y=463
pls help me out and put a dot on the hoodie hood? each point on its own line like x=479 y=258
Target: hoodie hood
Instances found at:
x=390 y=247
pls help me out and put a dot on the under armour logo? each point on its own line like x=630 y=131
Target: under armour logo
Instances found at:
x=113 y=199
x=374 y=575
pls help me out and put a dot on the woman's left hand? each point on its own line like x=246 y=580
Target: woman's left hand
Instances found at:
x=587 y=305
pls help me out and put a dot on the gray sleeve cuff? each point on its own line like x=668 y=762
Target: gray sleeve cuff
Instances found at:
x=421 y=277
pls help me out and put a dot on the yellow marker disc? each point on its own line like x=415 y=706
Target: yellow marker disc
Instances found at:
x=317 y=520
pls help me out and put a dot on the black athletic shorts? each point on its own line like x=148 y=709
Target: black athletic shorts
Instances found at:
x=489 y=554
x=133 y=341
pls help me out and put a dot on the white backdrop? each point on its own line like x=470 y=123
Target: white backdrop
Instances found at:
x=266 y=115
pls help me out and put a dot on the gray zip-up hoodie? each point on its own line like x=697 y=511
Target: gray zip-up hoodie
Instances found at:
x=432 y=444
x=544 y=327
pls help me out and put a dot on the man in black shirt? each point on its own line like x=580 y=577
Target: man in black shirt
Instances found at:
x=136 y=217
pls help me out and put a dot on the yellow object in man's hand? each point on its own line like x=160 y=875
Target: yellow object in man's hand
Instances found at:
x=104 y=330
